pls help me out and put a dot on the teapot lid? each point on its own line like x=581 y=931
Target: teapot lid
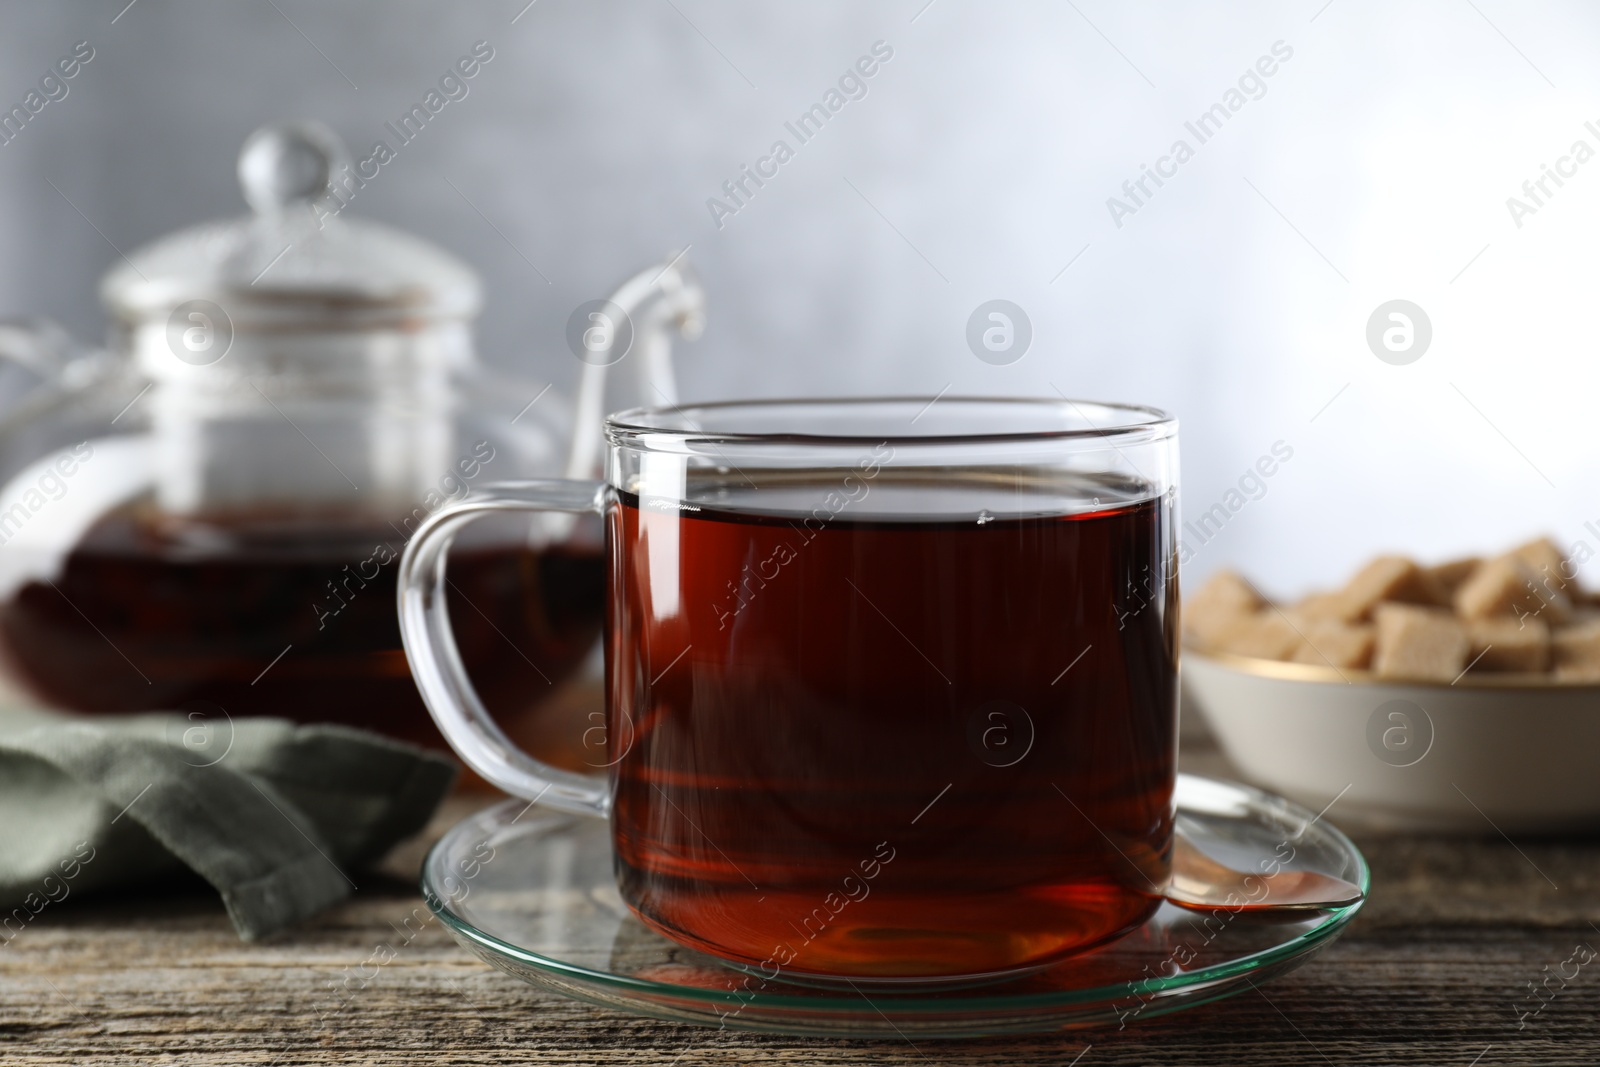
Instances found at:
x=298 y=261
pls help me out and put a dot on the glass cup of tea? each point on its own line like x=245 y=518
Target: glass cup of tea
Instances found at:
x=891 y=684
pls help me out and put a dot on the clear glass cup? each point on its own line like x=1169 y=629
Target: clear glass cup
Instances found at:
x=891 y=683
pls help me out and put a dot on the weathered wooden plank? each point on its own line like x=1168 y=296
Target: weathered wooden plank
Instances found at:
x=1436 y=970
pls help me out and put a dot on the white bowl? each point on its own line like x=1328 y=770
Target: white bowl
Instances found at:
x=1514 y=754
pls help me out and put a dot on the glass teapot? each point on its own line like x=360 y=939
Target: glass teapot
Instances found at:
x=207 y=515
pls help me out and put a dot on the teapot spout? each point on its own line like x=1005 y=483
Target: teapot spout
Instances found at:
x=652 y=305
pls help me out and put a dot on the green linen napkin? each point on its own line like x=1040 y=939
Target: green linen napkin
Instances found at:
x=278 y=817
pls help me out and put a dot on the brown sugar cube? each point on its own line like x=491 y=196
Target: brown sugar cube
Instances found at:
x=1545 y=560
x=1324 y=606
x=1583 y=612
x=1419 y=644
x=1508 y=644
x=1387 y=578
x=1337 y=644
x=1395 y=578
x=1223 y=600
x=1576 y=651
x=1508 y=586
x=1264 y=635
x=1583 y=600
x=1450 y=576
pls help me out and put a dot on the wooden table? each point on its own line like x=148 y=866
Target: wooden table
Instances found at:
x=1436 y=970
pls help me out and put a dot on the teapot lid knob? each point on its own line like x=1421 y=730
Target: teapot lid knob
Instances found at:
x=283 y=163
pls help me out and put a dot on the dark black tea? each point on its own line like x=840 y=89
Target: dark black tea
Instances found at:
x=291 y=616
x=898 y=736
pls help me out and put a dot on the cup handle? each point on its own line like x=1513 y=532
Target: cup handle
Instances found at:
x=436 y=662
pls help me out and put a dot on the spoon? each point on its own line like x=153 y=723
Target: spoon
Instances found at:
x=1198 y=881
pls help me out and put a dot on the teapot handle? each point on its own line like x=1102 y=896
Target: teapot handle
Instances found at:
x=657 y=300
x=38 y=345
x=36 y=356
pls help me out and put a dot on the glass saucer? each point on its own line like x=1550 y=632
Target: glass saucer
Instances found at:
x=530 y=891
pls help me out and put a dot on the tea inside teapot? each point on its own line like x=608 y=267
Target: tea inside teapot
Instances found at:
x=287 y=613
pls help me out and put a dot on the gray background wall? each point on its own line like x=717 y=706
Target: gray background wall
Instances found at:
x=1375 y=166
